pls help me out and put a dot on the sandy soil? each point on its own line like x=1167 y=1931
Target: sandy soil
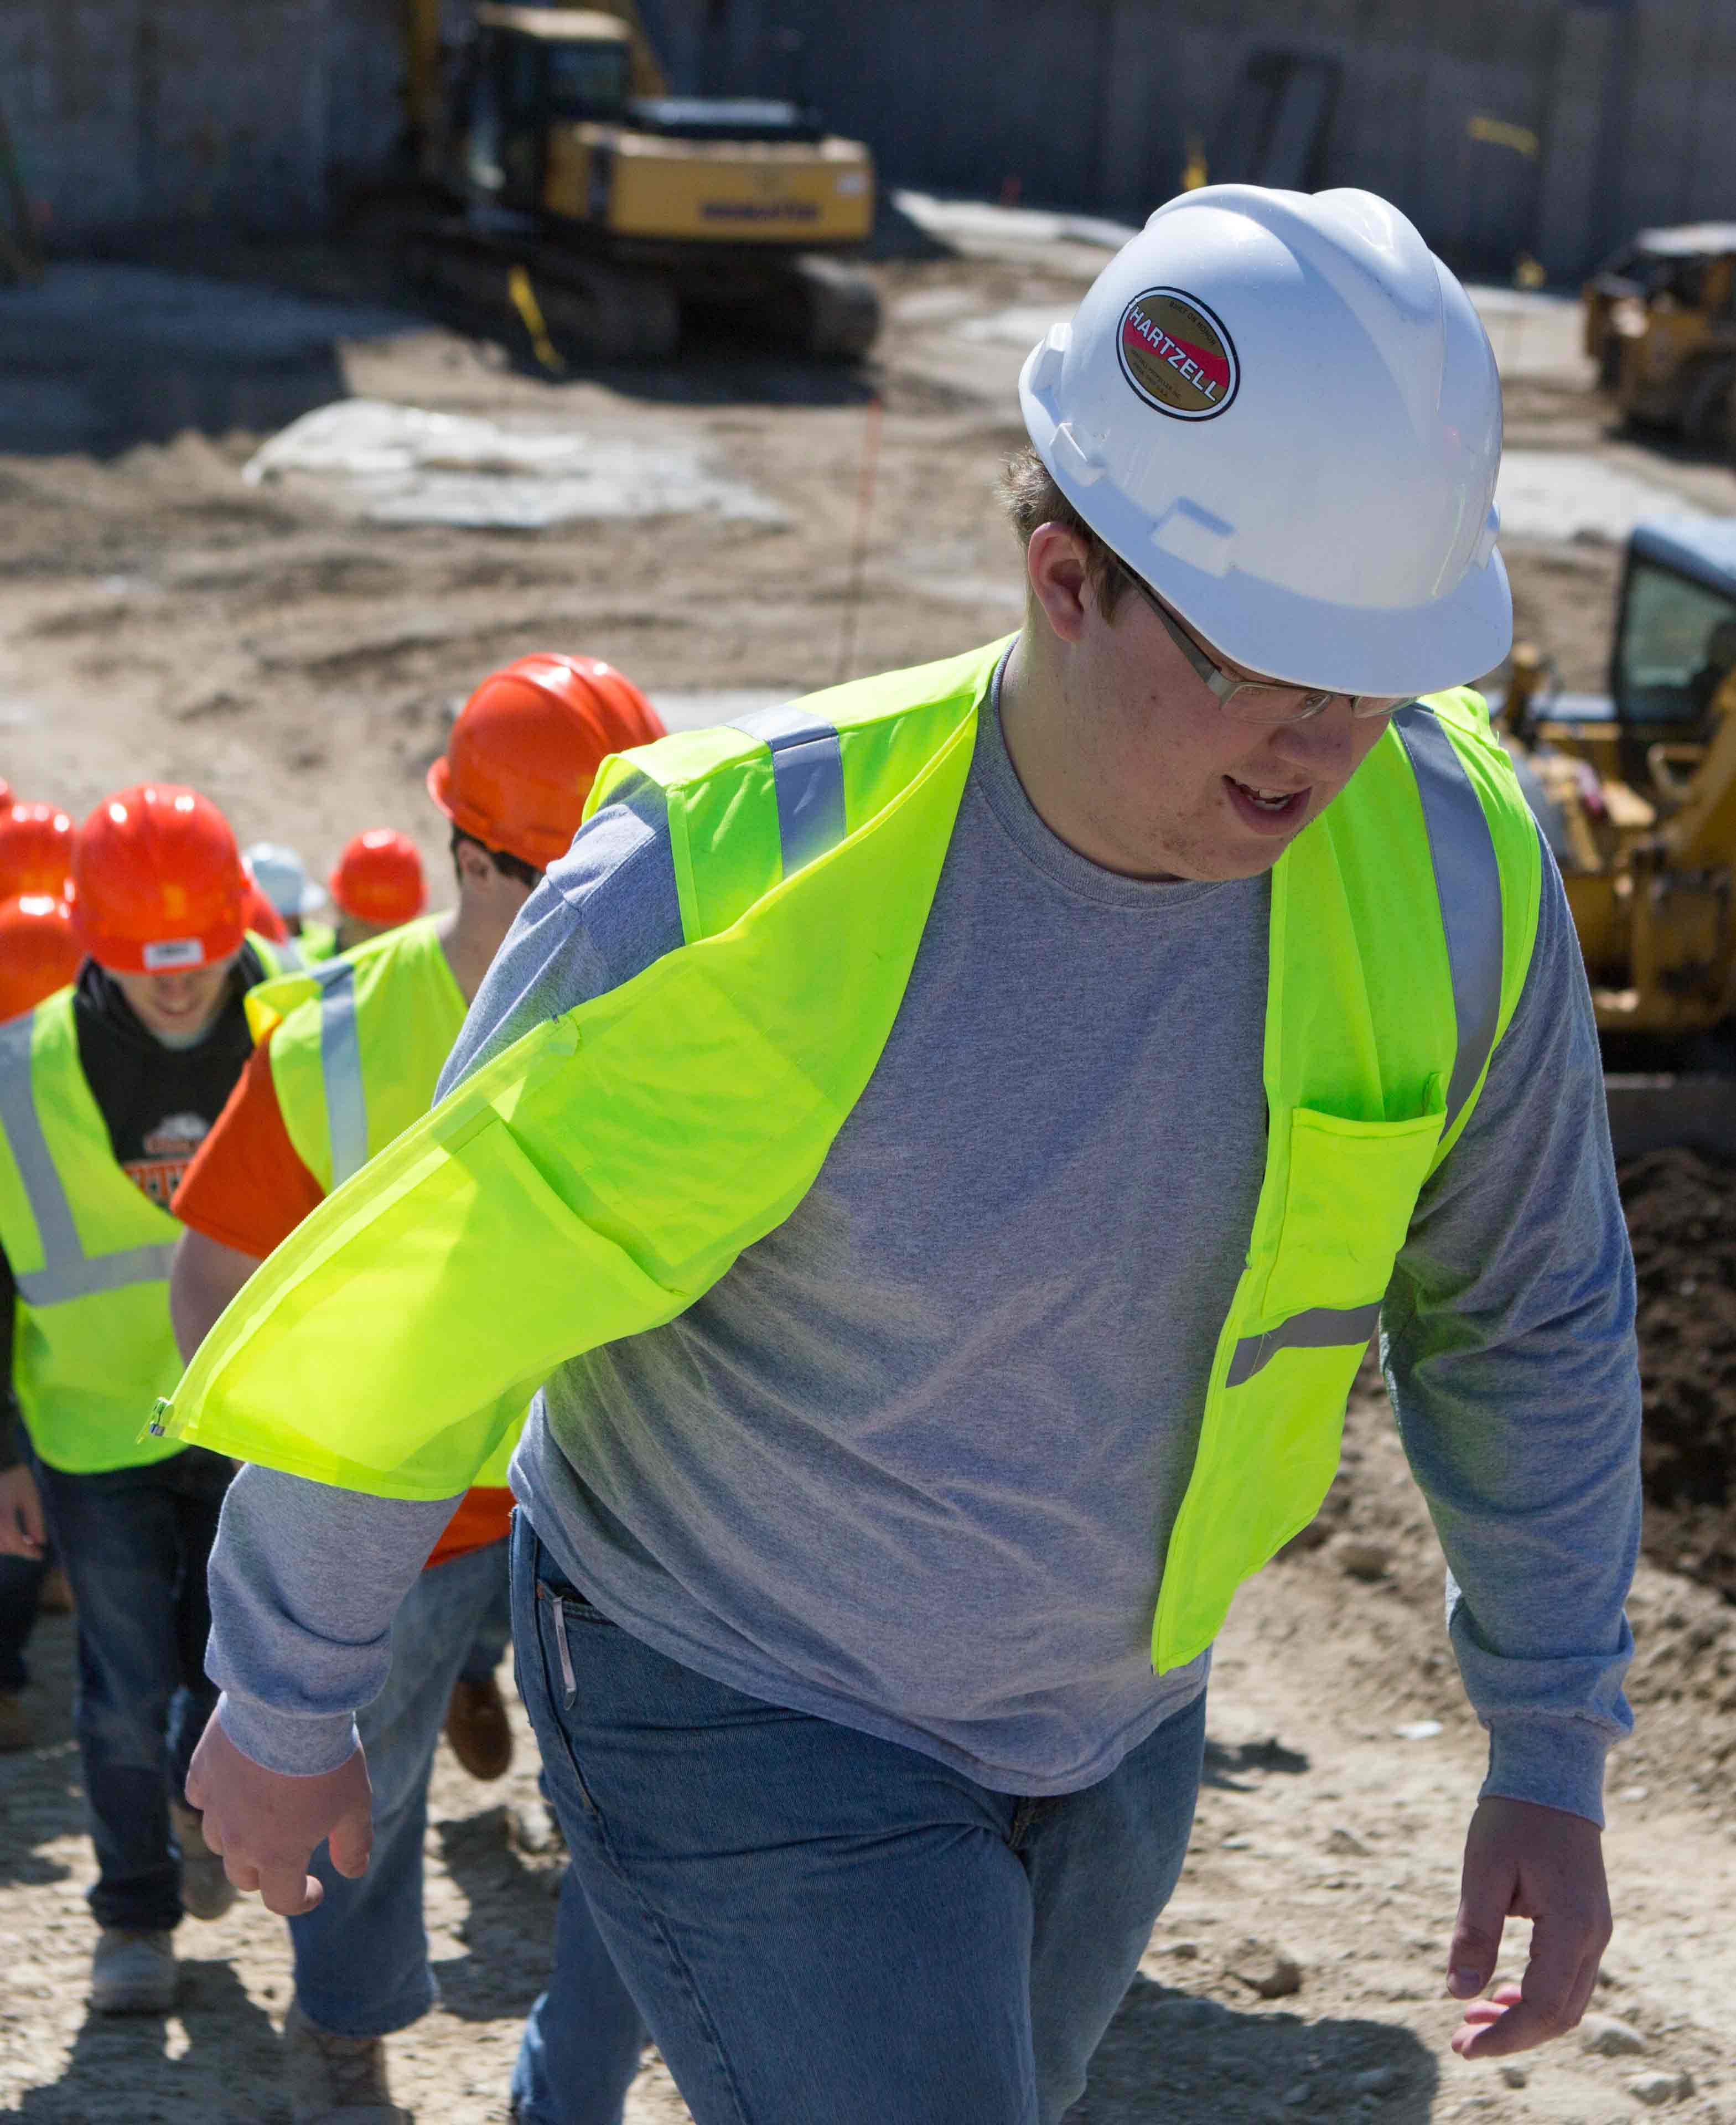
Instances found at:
x=1324 y=1834
x=298 y=663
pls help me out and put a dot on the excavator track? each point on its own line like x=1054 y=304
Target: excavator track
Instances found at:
x=598 y=308
x=592 y=308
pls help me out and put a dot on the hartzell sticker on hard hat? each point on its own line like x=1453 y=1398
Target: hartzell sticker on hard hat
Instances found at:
x=1177 y=356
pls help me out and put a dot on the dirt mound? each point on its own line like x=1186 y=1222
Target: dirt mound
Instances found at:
x=1681 y=1216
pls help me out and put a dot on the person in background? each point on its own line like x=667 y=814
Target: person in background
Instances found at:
x=377 y=884
x=282 y=877
x=107 y=1088
x=348 y=1056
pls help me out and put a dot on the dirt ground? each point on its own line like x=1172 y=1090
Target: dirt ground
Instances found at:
x=277 y=648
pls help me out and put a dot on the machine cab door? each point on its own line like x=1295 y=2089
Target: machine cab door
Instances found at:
x=520 y=69
x=1675 y=650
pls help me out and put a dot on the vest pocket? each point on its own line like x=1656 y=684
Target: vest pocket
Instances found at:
x=1347 y=1205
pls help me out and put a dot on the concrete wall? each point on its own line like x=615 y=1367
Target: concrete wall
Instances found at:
x=257 y=113
x=1090 y=102
x=264 y=112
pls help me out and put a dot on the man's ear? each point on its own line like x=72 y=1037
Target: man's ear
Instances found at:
x=1057 y=566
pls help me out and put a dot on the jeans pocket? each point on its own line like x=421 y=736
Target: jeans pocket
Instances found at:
x=559 y=1679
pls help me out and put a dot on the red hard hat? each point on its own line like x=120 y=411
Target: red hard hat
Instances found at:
x=526 y=749
x=38 y=951
x=36 y=850
x=378 y=878
x=159 y=885
x=260 y=917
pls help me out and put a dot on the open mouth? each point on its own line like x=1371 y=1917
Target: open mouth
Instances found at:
x=1266 y=811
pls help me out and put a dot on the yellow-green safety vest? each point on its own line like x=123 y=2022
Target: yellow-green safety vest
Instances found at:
x=89 y=1253
x=604 y=1170
x=357 y=1044
x=317 y=941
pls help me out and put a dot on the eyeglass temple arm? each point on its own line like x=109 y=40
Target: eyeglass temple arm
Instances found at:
x=1220 y=682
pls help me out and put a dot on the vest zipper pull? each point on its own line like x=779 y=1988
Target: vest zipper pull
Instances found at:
x=156 y=1427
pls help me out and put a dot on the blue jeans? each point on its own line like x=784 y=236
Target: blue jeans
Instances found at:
x=134 y=1544
x=817 y=1924
x=490 y=1643
x=21 y=1589
x=361 y=1956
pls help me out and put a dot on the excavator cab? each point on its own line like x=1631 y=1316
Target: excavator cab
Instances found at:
x=530 y=70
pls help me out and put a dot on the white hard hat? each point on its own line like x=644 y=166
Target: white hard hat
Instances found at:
x=282 y=877
x=1281 y=410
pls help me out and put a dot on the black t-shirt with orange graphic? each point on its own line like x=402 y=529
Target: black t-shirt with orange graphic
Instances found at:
x=159 y=1103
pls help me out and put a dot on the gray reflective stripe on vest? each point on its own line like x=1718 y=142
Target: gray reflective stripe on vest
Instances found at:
x=1468 y=880
x=807 y=773
x=1321 y=1328
x=67 y=1271
x=340 y=1064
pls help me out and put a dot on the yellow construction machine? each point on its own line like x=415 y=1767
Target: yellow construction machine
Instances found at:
x=563 y=170
x=1660 y=323
x=1636 y=793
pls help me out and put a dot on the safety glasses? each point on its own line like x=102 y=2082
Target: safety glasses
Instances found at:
x=1254 y=701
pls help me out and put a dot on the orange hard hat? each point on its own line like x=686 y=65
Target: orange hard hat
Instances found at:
x=36 y=850
x=158 y=884
x=377 y=878
x=526 y=749
x=38 y=951
x=259 y=914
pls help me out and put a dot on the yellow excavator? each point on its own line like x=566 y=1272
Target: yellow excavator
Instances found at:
x=1636 y=793
x=560 y=169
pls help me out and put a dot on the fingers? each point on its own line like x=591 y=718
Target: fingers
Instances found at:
x=1548 y=2003
x=350 y=1840
x=1485 y=1897
x=290 y=1891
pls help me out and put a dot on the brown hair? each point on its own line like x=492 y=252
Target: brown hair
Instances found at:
x=1029 y=496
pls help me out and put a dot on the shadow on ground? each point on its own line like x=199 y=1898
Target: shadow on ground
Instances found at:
x=41 y=1789
x=1170 y=2059
x=1234 y=1770
x=134 y=2065
x=509 y=1933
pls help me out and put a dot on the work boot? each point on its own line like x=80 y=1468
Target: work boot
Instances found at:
x=17 y=1729
x=134 y=1973
x=206 y=1892
x=478 y=1728
x=335 y=2081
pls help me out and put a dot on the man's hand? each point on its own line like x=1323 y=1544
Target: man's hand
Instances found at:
x=266 y=1824
x=22 y=1532
x=1534 y=1862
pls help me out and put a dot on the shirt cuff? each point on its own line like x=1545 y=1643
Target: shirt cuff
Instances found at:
x=1555 y=1763
x=298 y=1744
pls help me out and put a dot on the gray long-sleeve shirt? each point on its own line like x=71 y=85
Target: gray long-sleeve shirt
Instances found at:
x=912 y=1463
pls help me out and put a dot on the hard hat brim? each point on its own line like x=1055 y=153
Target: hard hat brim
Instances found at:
x=1345 y=649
